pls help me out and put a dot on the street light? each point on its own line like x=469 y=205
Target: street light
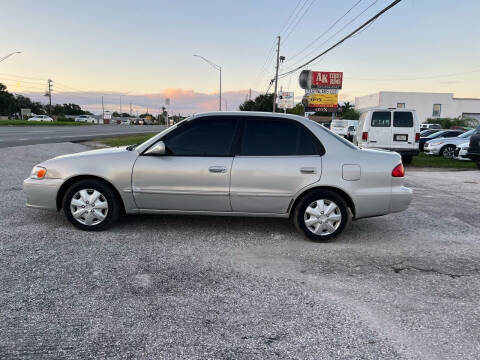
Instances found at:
x=7 y=56
x=219 y=68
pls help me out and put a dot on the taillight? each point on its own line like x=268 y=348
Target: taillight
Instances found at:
x=398 y=171
x=365 y=136
x=417 y=137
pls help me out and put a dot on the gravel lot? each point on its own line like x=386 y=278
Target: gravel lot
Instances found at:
x=175 y=287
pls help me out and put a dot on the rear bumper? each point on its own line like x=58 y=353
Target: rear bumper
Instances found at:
x=473 y=155
x=400 y=199
x=407 y=152
x=42 y=193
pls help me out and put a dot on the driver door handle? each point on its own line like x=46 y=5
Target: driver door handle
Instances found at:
x=217 y=169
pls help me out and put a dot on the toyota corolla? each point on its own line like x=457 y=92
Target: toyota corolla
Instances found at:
x=235 y=163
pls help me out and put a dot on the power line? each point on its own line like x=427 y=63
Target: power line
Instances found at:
x=326 y=31
x=290 y=17
x=298 y=21
x=337 y=32
x=345 y=38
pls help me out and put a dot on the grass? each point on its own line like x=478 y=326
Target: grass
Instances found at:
x=126 y=140
x=40 y=123
x=423 y=160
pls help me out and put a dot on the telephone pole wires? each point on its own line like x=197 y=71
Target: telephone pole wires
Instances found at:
x=276 y=74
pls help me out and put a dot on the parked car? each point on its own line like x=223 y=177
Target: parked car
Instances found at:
x=446 y=146
x=460 y=152
x=240 y=163
x=396 y=130
x=426 y=126
x=40 y=118
x=86 y=119
x=351 y=133
x=473 y=152
x=437 y=135
x=125 y=121
x=425 y=133
x=340 y=126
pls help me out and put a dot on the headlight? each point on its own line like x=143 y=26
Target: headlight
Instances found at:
x=38 y=172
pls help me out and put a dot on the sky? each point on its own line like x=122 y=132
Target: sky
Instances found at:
x=141 y=52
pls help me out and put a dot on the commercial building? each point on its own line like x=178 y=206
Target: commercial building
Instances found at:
x=427 y=105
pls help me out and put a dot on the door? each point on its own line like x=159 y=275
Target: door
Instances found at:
x=403 y=130
x=380 y=129
x=194 y=175
x=276 y=159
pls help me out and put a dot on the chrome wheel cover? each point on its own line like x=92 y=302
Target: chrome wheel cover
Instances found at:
x=322 y=217
x=448 y=152
x=89 y=207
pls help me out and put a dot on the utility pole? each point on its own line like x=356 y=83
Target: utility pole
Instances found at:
x=276 y=74
x=120 y=105
x=250 y=94
x=103 y=112
x=50 y=96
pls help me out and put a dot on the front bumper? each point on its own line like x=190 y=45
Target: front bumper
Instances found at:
x=431 y=149
x=42 y=193
x=400 y=199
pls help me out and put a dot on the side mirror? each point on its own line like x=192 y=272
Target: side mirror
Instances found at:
x=157 y=149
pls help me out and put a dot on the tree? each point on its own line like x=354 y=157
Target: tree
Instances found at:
x=262 y=102
x=299 y=109
x=7 y=101
x=348 y=111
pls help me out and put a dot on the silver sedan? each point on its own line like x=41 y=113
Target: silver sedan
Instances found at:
x=235 y=163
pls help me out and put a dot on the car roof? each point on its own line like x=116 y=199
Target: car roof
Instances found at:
x=253 y=113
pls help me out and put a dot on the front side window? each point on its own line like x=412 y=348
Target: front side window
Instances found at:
x=271 y=137
x=450 y=134
x=381 y=119
x=203 y=137
x=437 y=109
x=402 y=119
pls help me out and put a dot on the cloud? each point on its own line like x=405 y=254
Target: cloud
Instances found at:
x=182 y=101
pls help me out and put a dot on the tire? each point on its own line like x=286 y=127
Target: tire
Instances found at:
x=314 y=200
x=105 y=211
x=447 y=151
x=407 y=159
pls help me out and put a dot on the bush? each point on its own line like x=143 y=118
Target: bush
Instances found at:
x=447 y=123
x=63 y=118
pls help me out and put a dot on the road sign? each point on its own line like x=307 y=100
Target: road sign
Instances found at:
x=285 y=100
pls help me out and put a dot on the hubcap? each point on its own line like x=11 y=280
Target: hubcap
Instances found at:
x=322 y=217
x=89 y=207
x=448 y=152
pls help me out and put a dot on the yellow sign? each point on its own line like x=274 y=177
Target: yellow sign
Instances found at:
x=321 y=100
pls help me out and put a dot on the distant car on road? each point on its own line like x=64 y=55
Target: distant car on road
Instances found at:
x=390 y=129
x=351 y=133
x=437 y=135
x=40 y=118
x=86 y=119
x=446 y=146
x=236 y=163
x=340 y=126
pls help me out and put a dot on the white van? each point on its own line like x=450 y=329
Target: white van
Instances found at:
x=391 y=129
x=340 y=126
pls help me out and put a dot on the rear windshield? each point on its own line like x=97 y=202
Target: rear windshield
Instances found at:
x=338 y=123
x=381 y=119
x=402 y=119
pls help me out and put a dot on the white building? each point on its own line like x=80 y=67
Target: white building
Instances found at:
x=427 y=105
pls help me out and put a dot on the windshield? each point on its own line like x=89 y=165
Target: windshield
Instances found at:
x=467 y=134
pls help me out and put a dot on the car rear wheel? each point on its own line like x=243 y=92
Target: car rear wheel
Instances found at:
x=321 y=215
x=91 y=205
x=447 y=151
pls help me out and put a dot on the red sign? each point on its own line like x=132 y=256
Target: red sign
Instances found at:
x=323 y=79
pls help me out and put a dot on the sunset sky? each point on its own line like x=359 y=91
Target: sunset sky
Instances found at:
x=143 y=50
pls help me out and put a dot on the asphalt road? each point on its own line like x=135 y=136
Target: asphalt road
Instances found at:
x=27 y=135
x=402 y=286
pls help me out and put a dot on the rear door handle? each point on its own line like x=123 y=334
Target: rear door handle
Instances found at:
x=217 y=169
x=308 y=170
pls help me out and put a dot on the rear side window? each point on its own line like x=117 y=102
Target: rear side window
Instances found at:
x=381 y=119
x=402 y=119
x=269 y=137
x=449 y=134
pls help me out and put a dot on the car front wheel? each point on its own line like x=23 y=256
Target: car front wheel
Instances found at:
x=91 y=205
x=447 y=151
x=321 y=215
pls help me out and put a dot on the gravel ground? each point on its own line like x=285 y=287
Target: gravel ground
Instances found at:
x=178 y=287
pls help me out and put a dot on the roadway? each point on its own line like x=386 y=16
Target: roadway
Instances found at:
x=30 y=135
